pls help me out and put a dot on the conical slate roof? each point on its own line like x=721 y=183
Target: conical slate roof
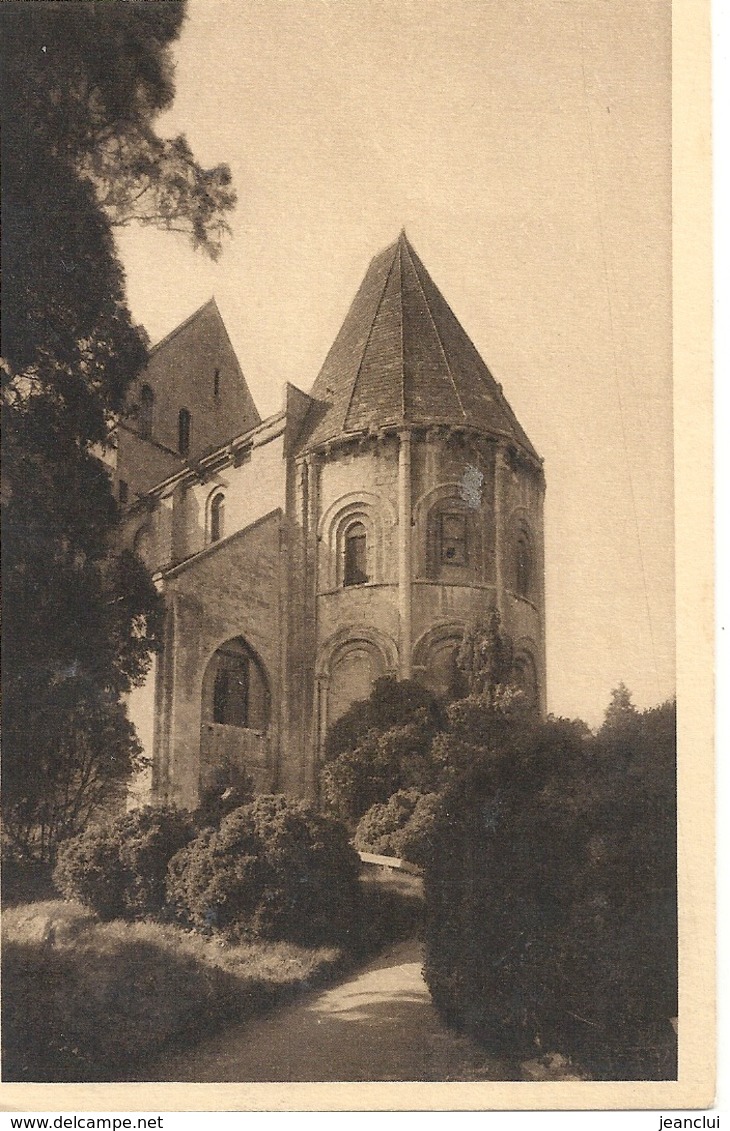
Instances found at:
x=402 y=358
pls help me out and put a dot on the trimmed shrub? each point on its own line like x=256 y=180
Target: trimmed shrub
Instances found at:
x=402 y=827
x=379 y=746
x=417 y=841
x=396 y=759
x=89 y=868
x=120 y=869
x=275 y=869
x=356 y=781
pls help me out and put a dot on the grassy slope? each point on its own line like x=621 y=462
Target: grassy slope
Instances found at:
x=87 y=1001
x=84 y=1000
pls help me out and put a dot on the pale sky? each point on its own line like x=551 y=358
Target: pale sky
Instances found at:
x=525 y=147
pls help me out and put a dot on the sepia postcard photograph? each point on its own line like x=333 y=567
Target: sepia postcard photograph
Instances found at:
x=357 y=567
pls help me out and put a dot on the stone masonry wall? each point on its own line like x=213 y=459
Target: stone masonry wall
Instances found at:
x=233 y=589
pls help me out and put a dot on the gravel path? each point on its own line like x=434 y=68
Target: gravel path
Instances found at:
x=378 y=1025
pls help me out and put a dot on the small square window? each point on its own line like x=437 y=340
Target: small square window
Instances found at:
x=453 y=539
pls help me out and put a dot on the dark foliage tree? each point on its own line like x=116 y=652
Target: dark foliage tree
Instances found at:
x=394 y=740
x=87 y=79
x=485 y=657
x=392 y=703
x=551 y=893
x=380 y=745
x=81 y=85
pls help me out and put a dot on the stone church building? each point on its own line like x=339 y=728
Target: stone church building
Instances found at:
x=352 y=534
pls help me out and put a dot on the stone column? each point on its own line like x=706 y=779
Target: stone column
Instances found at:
x=500 y=535
x=321 y=721
x=540 y=553
x=404 y=554
x=311 y=692
x=163 y=768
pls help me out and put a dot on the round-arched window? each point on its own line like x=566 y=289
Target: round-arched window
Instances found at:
x=356 y=550
x=523 y=565
x=217 y=517
x=452 y=547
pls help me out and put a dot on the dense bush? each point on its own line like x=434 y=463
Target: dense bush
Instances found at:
x=402 y=827
x=392 y=703
x=379 y=746
x=119 y=869
x=275 y=869
x=385 y=762
x=355 y=781
x=551 y=895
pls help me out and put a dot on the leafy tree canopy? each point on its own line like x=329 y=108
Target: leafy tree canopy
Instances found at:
x=82 y=83
x=90 y=77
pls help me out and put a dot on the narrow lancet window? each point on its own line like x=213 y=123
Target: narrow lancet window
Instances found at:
x=183 y=432
x=217 y=514
x=356 y=555
x=523 y=565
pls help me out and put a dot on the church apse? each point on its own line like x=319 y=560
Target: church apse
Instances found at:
x=353 y=535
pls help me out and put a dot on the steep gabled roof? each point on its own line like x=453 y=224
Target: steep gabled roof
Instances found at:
x=205 y=331
x=402 y=358
x=210 y=306
x=195 y=368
